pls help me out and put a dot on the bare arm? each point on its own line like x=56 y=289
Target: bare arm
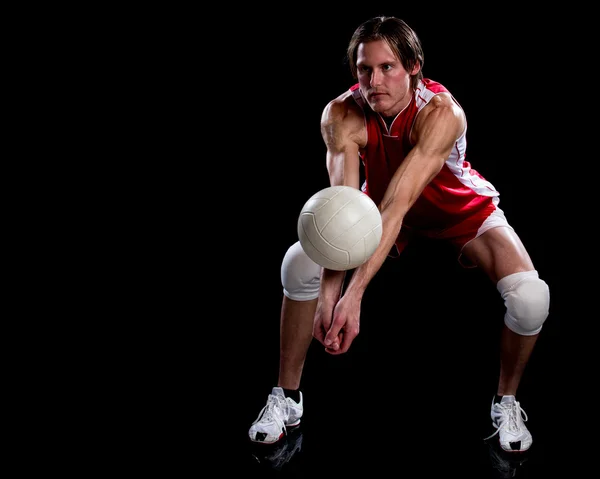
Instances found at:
x=435 y=133
x=342 y=128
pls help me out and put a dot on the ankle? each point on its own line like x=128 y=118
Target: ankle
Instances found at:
x=293 y=394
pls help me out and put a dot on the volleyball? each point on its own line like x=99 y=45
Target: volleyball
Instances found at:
x=339 y=227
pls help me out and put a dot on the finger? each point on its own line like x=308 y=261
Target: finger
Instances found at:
x=333 y=335
x=335 y=345
x=334 y=352
x=346 y=341
x=319 y=335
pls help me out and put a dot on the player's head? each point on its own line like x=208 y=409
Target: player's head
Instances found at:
x=401 y=39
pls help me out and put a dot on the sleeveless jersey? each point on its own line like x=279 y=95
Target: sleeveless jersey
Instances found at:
x=457 y=193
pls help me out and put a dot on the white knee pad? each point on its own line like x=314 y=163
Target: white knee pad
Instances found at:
x=527 y=301
x=300 y=275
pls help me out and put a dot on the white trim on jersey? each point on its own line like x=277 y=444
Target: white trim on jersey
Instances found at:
x=456 y=161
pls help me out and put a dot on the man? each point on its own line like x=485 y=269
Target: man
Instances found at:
x=409 y=132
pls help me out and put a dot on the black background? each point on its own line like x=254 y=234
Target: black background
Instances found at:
x=242 y=155
x=496 y=68
x=418 y=381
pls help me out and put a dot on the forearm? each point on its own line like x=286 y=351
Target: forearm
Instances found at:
x=363 y=275
x=409 y=180
x=331 y=285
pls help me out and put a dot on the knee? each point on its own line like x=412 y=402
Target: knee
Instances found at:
x=527 y=301
x=300 y=275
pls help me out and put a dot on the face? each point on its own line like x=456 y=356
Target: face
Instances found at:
x=383 y=80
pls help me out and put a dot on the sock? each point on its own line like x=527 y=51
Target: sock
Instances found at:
x=292 y=394
x=509 y=397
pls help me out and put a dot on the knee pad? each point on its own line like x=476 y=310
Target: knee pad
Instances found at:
x=300 y=275
x=527 y=301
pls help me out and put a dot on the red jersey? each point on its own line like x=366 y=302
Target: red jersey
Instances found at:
x=455 y=196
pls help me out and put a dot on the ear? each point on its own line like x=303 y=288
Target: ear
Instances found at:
x=416 y=68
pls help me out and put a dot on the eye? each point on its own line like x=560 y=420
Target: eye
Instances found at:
x=386 y=67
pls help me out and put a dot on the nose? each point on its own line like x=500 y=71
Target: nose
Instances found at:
x=376 y=77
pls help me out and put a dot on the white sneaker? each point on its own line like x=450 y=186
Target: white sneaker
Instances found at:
x=279 y=413
x=509 y=420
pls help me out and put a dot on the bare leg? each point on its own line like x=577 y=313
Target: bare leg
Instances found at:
x=295 y=338
x=500 y=252
x=514 y=355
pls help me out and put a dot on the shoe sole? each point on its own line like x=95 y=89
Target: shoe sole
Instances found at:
x=515 y=450
x=282 y=435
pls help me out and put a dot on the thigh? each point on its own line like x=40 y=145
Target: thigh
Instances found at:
x=499 y=252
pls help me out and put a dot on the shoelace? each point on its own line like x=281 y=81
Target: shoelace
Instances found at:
x=275 y=408
x=509 y=417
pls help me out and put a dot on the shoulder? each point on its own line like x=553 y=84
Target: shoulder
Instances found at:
x=341 y=109
x=343 y=116
x=444 y=101
x=437 y=96
x=442 y=108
